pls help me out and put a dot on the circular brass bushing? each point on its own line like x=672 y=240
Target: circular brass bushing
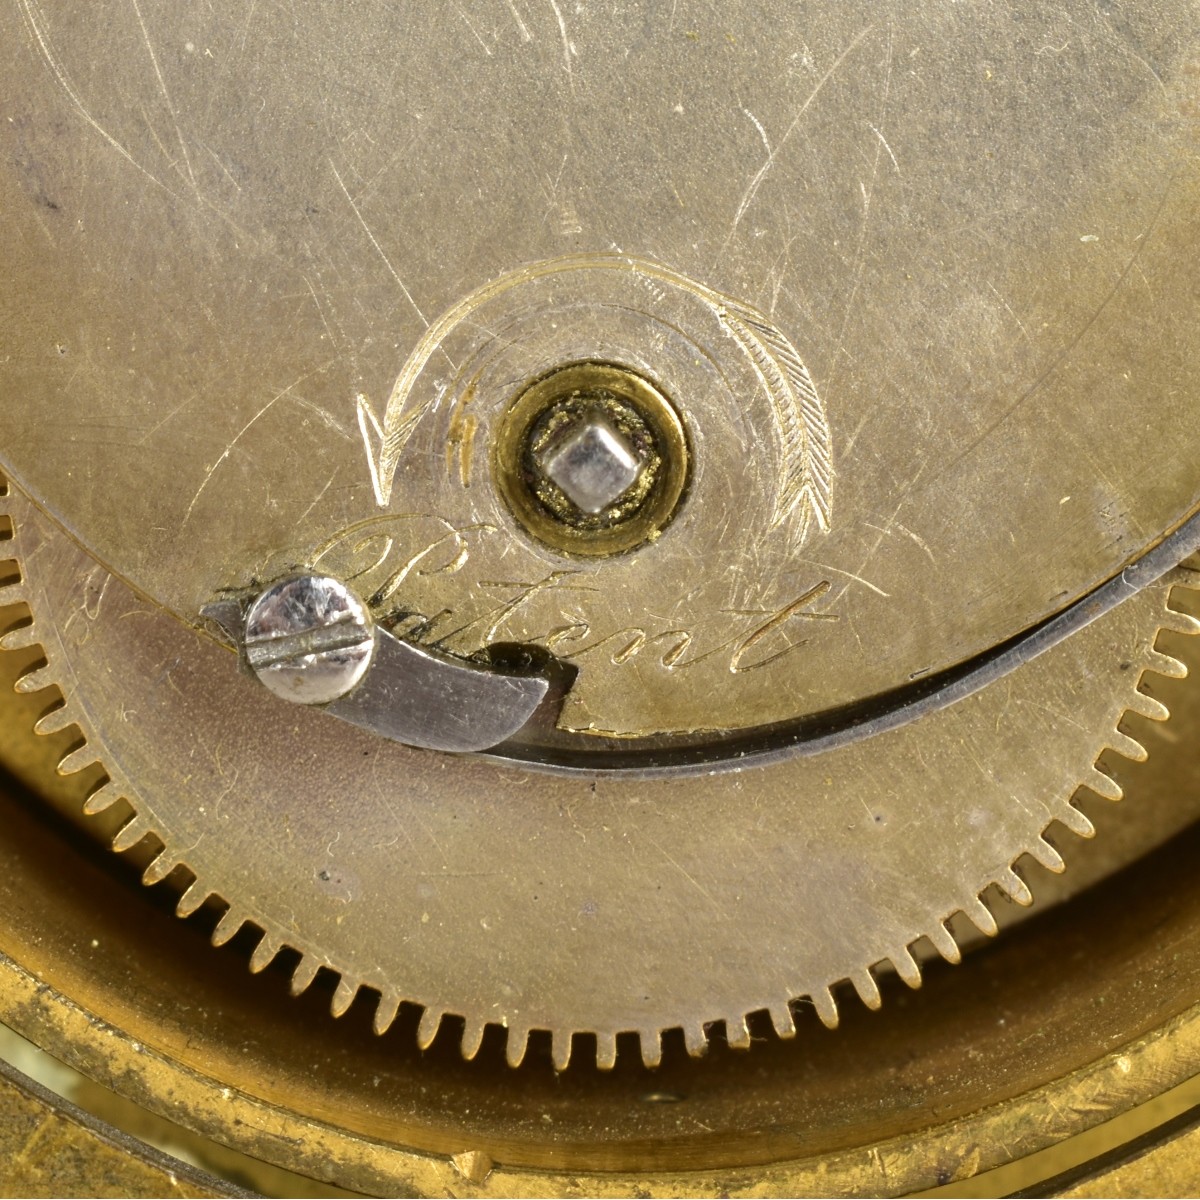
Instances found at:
x=592 y=459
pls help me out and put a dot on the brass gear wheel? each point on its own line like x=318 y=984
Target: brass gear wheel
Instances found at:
x=711 y=495
x=569 y=906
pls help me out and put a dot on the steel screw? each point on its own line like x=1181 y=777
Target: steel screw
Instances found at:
x=309 y=639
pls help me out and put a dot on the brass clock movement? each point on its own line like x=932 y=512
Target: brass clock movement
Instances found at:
x=578 y=554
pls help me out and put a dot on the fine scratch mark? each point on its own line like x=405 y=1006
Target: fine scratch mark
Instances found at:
x=317 y=411
x=320 y=308
x=1009 y=310
x=246 y=26
x=474 y=31
x=1053 y=714
x=44 y=227
x=1073 y=344
x=756 y=182
x=904 y=529
x=868 y=191
x=526 y=36
x=224 y=169
x=847 y=574
x=320 y=496
x=241 y=433
x=1147 y=64
x=762 y=133
x=28 y=8
x=162 y=84
x=908 y=533
x=888 y=148
x=378 y=248
x=889 y=522
x=32 y=1137
x=1124 y=43
x=689 y=877
x=163 y=420
x=568 y=49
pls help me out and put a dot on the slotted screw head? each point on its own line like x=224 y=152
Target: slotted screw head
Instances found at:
x=309 y=639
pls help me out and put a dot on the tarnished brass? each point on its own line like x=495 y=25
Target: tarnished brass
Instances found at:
x=1062 y=1026
x=376 y=883
x=873 y=335
x=49 y=1148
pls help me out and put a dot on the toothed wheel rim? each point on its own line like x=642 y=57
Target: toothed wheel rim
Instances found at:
x=661 y=827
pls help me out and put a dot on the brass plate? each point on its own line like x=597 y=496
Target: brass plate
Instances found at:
x=230 y=285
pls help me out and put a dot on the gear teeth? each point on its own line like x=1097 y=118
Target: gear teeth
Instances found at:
x=515 y=1047
x=130 y=834
x=1166 y=665
x=606 y=1050
x=651 y=1046
x=264 y=954
x=104 y=797
x=1042 y=852
x=62 y=715
x=867 y=989
x=13 y=592
x=194 y=895
x=428 y=1026
x=472 y=1039
x=305 y=972
x=1127 y=747
x=159 y=869
x=1076 y=821
x=906 y=967
x=55 y=721
x=560 y=1048
x=343 y=997
x=21 y=638
x=1179 y=622
x=1148 y=707
x=783 y=1020
x=980 y=916
x=737 y=1033
x=695 y=1040
x=385 y=1012
x=36 y=680
x=1103 y=785
x=1013 y=886
x=826 y=1006
x=943 y=941
x=76 y=760
x=227 y=926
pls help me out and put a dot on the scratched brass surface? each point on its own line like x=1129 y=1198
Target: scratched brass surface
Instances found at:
x=920 y=279
x=475 y=890
x=1065 y=1025
x=51 y=1149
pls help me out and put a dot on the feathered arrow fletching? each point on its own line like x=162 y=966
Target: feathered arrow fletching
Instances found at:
x=805 y=479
